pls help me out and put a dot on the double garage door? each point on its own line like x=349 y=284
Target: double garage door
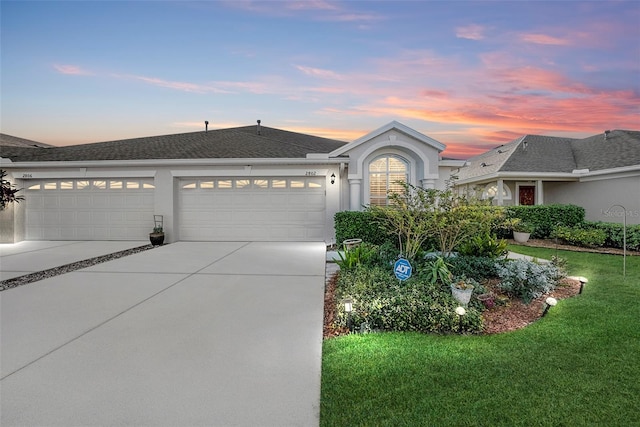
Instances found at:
x=209 y=209
x=252 y=209
x=89 y=209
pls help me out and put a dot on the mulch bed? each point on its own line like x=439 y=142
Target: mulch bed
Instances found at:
x=551 y=244
x=501 y=318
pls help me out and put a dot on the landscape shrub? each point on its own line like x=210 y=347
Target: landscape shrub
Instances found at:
x=480 y=268
x=381 y=302
x=614 y=234
x=545 y=218
x=350 y=258
x=580 y=236
x=484 y=244
x=359 y=225
x=528 y=280
x=418 y=216
x=433 y=270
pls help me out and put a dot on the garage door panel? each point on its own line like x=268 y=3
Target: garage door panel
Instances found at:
x=116 y=201
x=50 y=218
x=84 y=201
x=50 y=202
x=88 y=210
x=100 y=201
x=252 y=209
x=67 y=219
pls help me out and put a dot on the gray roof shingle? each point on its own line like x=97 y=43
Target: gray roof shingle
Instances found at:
x=14 y=141
x=547 y=154
x=537 y=153
x=621 y=148
x=240 y=142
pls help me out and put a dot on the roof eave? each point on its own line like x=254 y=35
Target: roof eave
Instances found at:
x=529 y=176
x=171 y=162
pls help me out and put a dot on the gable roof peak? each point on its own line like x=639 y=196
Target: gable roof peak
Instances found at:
x=392 y=125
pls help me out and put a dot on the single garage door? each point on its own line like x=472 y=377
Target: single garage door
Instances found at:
x=89 y=209
x=254 y=209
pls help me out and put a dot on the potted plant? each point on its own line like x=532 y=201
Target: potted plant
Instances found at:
x=522 y=231
x=157 y=236
x=462 y=288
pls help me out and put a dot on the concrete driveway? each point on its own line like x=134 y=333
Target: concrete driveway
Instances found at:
x=188 y=334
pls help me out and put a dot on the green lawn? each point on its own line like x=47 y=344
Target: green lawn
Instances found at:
x=578 y=366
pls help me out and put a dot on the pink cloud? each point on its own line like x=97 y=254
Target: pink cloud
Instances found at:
x=471 y=32
x=320 y=73
x=71 y=70
x=544 y=39
x=181 y=86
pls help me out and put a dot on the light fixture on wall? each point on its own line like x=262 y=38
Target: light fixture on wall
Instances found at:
x=333 y=178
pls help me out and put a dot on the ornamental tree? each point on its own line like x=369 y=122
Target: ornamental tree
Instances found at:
x=9 y=191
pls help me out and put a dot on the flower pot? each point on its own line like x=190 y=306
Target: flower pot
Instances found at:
x=156 y=239
x=463 y=296
x=351 y=243
x=521 y=237
x=488 y=300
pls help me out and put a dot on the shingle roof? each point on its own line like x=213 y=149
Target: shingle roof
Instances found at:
x=240 y=142
x=547 y=154
x=537 y=153
x=621 y=148
x=14 y=141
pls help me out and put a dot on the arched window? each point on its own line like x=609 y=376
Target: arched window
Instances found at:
x=384 y=172
x=491 y=191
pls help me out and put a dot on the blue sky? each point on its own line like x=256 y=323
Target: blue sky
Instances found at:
x=469 y=74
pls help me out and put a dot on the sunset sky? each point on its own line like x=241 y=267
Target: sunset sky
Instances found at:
x=471 y=75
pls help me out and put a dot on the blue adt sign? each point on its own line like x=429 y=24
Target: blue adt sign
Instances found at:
x=402 y=269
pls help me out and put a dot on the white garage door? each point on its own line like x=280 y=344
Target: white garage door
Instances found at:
x=89 y=209
x=254 y=209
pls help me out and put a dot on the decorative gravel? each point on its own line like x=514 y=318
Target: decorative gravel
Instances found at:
x=34 y=277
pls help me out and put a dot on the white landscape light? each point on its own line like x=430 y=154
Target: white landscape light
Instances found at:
x=348 y=308
x=551 y=302
x=460 y=311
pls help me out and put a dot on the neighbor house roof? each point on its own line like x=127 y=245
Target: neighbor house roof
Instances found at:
x=14 y=141
x=240 y=142
x=533 y=154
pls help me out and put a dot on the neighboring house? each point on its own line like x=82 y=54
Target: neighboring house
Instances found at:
x=597 y=173
x=245 y=183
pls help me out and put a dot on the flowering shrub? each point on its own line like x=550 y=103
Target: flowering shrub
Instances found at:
x=528 y=280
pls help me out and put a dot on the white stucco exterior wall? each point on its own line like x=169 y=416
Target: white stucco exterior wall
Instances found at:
x=597 y=196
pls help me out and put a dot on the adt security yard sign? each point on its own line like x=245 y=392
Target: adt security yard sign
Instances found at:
x=402 y=269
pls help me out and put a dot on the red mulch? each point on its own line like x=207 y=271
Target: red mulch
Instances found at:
x=551 y=244
x=329 y=330
x=515 y=314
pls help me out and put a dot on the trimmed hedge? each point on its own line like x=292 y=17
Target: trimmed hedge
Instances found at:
x=580 y=236
x=359 y=225
x=614 y=234
x=545 y=218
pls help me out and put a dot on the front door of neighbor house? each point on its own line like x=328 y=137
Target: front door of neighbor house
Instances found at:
x=527 y=195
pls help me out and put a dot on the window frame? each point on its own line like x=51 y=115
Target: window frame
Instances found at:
x=387 y=173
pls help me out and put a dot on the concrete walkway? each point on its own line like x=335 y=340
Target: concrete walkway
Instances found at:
x=188 y=334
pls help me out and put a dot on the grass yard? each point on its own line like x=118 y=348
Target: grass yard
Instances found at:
x=578 y=366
